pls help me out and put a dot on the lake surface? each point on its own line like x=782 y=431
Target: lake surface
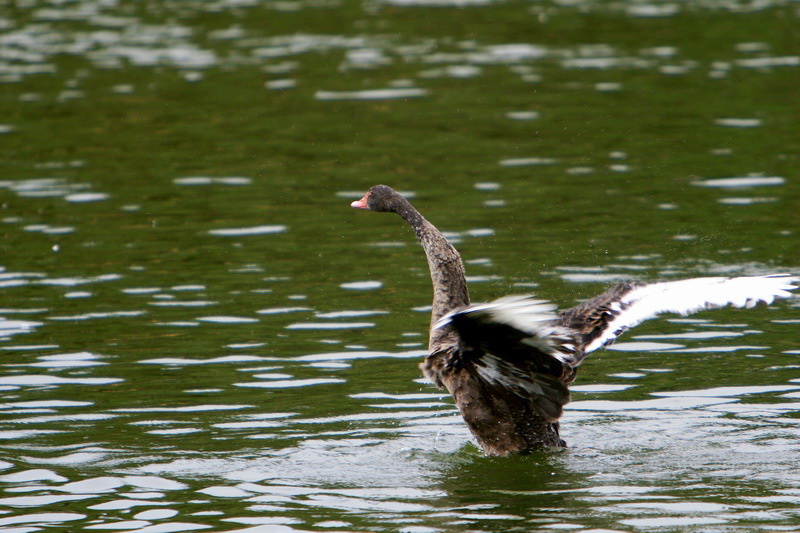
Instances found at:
x=198 y=333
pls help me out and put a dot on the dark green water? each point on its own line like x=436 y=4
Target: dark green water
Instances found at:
x=198 y=333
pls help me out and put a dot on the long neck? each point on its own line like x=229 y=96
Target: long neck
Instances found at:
x=447 y=274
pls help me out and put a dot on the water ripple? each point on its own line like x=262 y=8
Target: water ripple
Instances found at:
x=290 y=383
x=41 y=519
x=374 y=94
x=245 y=232
x=35 y=380
x=362 y=285
x=330 y=325
x=180 y=361
x=739 y=182
x=206 y=180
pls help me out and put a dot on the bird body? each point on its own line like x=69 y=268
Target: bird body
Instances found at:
x=508 y=363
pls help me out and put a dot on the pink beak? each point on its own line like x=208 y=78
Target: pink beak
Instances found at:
x=361 y=204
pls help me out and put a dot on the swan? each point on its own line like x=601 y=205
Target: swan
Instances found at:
x=508 y=363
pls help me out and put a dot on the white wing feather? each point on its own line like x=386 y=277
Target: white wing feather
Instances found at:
x=689 y=296
x=519 y=311
x=535 y=318
x=538 y=319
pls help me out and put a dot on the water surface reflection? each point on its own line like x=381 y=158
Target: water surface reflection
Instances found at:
x=197 y=333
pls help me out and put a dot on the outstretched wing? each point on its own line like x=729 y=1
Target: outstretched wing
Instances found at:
x=516 y=348
x=604 y=318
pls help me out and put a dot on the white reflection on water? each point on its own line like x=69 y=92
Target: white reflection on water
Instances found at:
x=52 y=187
x=183 y=409
x=452 y=71
x=92 y=316
x=331 y=325
x=155 y=514
x=600 y=388
x=766 y=62
x=73 y=281
x=673 y=522
x=437 y=3
x=49 y=230
x=596 y=278
x=116 y=505
x=281 y=85
x=38 y=474
x=141 y=290
x=719 y=349
x=81 y=197
x=283 y=310
x=523 y=115
x=227 y=319
x=738 y=122
x=652 y=10
x=254 y=230
x=290 y=383
x=748 y=200
x=738 y=182
x=48 y=405
x=603 y=63
x=27 y=433
x=39 y=501
x=373 y=94
x=351 y=314
x=175 y=431
x=36 y=380
x=206 y=180
x=40 y=519
x=366 y=354
x=643 y=346
x=630 y=408
x=724 y=392
x=383 y=395
x=185 y=303
x=212 y=360
x=528 y=161
x=15 y=327
x=696 y=335
x=362 y=285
